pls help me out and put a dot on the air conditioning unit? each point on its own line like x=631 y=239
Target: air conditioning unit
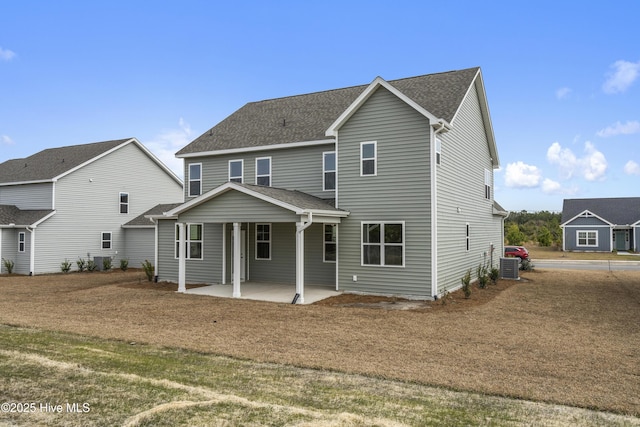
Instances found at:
x=510 y=268
x=99 y=260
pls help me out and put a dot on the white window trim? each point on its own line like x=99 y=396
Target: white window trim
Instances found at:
x=263 y=241
x=468 y=237
x=325 y=171
x=375 y=158
x=187 y=241
x=121 y=203
x=241 y=170
x=270 y=168
x=383 y=244
x=438 y=151
x=103 y=240
x=324 y=243
x=487 y=184
x=190 y=180
x=587 y=245
x=22 y=241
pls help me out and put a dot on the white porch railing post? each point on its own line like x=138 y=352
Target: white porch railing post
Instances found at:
x=182 y=256
x=236 y=259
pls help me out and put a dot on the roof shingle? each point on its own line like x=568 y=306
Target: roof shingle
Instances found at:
x=616 y=210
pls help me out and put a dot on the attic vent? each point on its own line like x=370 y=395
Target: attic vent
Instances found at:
x=509 y=268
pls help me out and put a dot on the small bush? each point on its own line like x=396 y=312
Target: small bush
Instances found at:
x=91 y=265
x=8 y=265
x=148 y=269
x=494 y=273
x=526 y=265
x=106 y=263
x=483 y=279
x=65 y=266
x=466 y=284
x=82 y=264
x=124 y=264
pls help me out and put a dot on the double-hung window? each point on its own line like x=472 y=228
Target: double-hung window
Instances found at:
x=263 y=241
x=193 y=241
x=383 y=243
x=368 y=158
x=106 y=240
x=330 y=243
x=487 y=184
x=195 y=179
x=329 y=170
x=263 y=171
x=468 y=239
x=438 y=151
x=21 y=241
x=236 y=171
x=587 y=238
x=124 y=203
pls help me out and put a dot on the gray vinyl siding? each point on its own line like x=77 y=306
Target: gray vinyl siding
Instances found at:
x=399 y=192
x=139 y=244
x=461 y=199
x=292 y=168
x=9 y=246
x=316 y=271
x=87 y=204
x=603 y=238
x=21 y=259
x=28 y=196
x=167 y=268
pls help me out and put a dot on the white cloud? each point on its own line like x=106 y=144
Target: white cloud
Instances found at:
x=168 y=142
x=551 y=187
x=563 y=93
x=5 y=140
x=618 y=128
x=632 y=168
x=6 y=54
x=522 y=175
x=592 y=166
x=623 y=74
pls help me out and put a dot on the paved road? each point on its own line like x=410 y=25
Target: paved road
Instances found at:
x=587 y=265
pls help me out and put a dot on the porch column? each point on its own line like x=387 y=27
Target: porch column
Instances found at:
x=182 y=256
x=300 y=261
x=236 y=259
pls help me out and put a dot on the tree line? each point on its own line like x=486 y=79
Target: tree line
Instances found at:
x=541 y=227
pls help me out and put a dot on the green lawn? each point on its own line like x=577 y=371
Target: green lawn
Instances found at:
x=60 y=379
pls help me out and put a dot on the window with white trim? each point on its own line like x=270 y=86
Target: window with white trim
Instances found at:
x=124 y=203
x=236 y=171
x=195 y=179
x=106 y=239
x=263 y=171
x=329 y=170
x=468 y=238
x=383 y=243
x=193 y=241
x=368 y=158
x=487 y=184
x=263 y=241
x=587 y=238
x=438 y=151
x=21 y=241
x=330 y=243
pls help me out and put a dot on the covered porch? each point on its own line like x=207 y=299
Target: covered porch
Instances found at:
x=268 y=291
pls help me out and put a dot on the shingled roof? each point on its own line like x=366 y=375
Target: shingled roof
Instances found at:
x=11 y=215
x=616 y=210
x=304 y=118
x=53 y=162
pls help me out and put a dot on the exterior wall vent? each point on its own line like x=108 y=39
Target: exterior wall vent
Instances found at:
x=510 y=268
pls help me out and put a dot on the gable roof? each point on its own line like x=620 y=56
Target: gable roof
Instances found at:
x=54 y=163
x=616 y=210
x=144 y=220
x=305 y=118
x=12 y=216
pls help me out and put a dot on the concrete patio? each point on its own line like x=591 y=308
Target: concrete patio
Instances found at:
x=263 y=291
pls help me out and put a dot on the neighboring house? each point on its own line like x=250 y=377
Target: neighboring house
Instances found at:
x=385 y=188
x=72 y=202
x=601 y=225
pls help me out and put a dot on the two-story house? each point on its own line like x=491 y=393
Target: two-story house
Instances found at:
x=80 y=202
x=385 y=188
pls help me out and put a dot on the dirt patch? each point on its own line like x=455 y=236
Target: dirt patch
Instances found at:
x=561 y=336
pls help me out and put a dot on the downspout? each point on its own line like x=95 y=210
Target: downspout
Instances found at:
x=155 y=249
x=443 y=127
x=32 y=250
x=300 y=227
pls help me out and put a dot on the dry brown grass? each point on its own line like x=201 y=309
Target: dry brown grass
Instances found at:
x=560 y=336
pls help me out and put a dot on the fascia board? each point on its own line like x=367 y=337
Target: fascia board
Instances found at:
x=257 y=148
x=584 y=212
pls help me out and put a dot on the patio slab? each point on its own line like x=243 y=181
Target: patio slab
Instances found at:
x=272 y=292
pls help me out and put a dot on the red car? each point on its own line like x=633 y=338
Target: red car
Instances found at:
x=516 y=251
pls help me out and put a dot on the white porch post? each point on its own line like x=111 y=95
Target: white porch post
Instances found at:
x=32 y=252
x=237 y=239
x=300 y=261
x=182 y=255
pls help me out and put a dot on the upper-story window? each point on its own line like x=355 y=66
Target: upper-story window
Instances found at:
x=438 y=151
x=487 y=184
x=263 y=171
x=329 y=170
x=236 y=171
x=195 y=179
x=124 y=203
x=368 y=158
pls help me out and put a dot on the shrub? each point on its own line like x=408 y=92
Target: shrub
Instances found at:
x=65 y=266
x=124 y=264
x=494 y=273
x=8 y=265
x=91 y=265
x=148 y=269
x=526 y=265
x=82 y=264
x=106 y=263
x=483 y=279
x=466 y=284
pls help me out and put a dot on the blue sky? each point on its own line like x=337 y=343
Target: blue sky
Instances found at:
x=562 y=78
